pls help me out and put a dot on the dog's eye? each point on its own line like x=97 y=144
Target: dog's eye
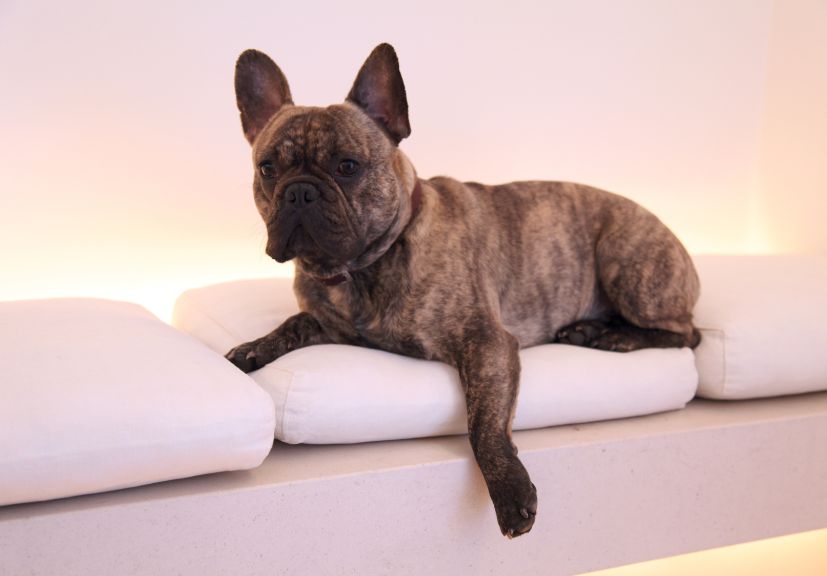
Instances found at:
x=347 y=168
x=267 y=170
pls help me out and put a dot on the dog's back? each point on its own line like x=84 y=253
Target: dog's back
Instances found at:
x=545 y=254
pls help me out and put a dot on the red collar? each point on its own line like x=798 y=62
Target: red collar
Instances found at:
x=335 y=280
x=416 y=203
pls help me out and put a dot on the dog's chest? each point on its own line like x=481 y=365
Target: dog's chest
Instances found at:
x=378 y=316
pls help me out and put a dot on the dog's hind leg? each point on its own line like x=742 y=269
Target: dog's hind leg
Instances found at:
x=618 y=335
x=651 y=285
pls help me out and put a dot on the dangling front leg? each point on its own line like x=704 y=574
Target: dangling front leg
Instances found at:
x=489 y=369
x=296 y=332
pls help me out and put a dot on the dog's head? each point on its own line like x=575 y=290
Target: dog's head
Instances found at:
x=330 y=183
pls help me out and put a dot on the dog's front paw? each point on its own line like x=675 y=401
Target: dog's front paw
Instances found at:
x=515 y=501
x=250 y=355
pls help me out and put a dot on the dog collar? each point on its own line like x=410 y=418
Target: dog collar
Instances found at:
x=416 y=202
x=335 y=280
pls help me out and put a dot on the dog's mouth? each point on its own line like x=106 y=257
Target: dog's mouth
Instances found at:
x=301 y=246
x=322 y=232
x=285 y=246
x=312 y=239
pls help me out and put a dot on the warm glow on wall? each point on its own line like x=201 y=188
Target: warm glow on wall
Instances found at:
x=124 y=173
x=796 y=555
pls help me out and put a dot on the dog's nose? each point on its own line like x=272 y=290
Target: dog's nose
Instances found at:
x=301 y=193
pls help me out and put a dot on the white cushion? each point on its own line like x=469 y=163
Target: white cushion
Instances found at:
x=98 y=395
x=340 y=394
x=763 y=321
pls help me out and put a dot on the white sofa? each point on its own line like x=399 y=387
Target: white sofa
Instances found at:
x=611 y=492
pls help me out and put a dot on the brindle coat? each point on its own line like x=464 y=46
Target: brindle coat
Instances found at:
x=462 y=273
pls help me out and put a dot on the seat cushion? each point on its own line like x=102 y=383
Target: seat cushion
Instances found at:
x=763 y=321
x=341 y=394
x=98 y=395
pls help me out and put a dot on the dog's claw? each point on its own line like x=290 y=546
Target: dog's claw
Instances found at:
x=244 y=357
x=516 y=508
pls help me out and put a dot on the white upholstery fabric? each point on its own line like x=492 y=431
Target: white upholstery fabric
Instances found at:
x=340 y=394
x=763 y=322
x=98 y=395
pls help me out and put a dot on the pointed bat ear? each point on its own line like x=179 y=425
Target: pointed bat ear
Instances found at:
x=380 y=92
x=260 y=91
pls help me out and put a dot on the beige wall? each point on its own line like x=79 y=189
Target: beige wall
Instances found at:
x=123 y=172
x=794 y=159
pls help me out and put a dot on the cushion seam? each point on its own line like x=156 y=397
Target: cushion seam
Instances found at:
x=724 y=367
x=280 y=425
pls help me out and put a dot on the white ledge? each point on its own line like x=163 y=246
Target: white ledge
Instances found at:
x=610 y=493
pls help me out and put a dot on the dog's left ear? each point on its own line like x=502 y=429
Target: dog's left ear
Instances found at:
x=380 y=92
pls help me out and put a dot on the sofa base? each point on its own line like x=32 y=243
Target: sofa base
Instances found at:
x=610 y=493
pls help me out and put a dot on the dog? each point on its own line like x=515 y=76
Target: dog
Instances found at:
x=463 y=273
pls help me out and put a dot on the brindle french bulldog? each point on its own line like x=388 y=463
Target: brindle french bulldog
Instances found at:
x=463 y=273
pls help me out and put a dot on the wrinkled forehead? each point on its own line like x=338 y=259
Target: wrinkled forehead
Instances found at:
x=302 y=133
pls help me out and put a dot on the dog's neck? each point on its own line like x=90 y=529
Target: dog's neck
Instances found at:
x=382 y=244
x=416 y=200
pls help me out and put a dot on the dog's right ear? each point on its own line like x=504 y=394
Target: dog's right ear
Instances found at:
x=260 y=91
